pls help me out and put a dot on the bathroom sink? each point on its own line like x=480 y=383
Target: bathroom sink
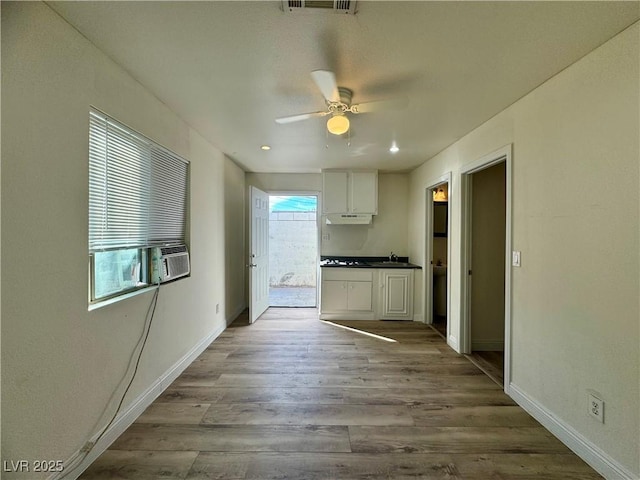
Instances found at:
x=439 y=270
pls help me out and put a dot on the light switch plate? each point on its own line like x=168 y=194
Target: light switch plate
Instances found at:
x=515 y=258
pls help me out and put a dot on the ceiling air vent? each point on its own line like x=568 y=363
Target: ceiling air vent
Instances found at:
x=332 y=6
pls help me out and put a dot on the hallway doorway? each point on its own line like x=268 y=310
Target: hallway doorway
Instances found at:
x=486 y=266
x=440 y=257
x=437 y=242
x=293 y=250
x=488 y=223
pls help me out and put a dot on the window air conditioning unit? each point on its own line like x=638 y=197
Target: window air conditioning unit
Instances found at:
x=169 y=263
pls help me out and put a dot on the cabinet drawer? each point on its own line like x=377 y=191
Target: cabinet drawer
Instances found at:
x=348 y=274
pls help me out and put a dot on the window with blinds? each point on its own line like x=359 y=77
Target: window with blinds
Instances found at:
x=137 y=200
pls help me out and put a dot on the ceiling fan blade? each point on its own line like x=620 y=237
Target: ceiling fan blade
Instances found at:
x=378 y=105
x=302 y=116
x=326 y=82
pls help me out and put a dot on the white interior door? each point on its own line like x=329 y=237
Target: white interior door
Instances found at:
x=259 y=254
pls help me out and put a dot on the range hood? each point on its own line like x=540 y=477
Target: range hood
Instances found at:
x=349 y=218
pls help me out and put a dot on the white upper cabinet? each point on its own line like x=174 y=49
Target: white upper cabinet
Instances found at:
x=335 y=186
x=364 y=192
x=350 y=191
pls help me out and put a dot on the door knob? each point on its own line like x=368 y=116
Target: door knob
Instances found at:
x=252 y=265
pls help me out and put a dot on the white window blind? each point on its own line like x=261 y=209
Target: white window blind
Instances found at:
x=137 y=189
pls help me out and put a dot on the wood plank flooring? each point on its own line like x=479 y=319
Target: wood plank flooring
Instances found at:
x=491 y=363
x=292 y=397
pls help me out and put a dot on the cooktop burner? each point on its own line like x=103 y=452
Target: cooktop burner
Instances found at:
x=348 y=263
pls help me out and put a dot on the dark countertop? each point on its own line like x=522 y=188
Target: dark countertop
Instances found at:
x=366 y=262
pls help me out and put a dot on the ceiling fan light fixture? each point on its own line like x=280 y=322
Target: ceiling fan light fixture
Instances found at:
x=338 y=124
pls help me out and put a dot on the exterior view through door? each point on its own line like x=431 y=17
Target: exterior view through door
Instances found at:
x=293 y=250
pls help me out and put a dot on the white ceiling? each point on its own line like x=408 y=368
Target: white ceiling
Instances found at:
x=230 y=68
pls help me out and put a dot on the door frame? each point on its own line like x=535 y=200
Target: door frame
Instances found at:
x=318 y=195
x=503 y=154
x=428 y=252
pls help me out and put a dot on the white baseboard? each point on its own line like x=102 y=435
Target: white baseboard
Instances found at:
x=600 y=461
x=418 y=317
x=133 y=411
x=487 y=345
x=348 y=316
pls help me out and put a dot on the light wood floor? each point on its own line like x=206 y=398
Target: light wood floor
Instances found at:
x=292 y=397
x=491 y=363
x=440 y=324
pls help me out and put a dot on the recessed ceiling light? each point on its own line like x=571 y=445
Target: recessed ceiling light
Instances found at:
x=394 y=148
x=265 y=147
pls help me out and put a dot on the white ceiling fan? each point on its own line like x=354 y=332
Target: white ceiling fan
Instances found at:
x=338 y=101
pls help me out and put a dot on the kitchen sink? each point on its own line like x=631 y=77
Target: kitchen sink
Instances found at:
x=389 y=264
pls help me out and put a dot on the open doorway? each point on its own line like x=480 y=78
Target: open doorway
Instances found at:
x=439 y=257
x=488 y=218
x=486 y=245
x=437 y=253
x=293 y=250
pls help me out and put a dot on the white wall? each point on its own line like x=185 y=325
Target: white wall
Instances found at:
x=575 y=304
x=285 y=182
x=388 y=230
x=62 y=363
x=234 y=249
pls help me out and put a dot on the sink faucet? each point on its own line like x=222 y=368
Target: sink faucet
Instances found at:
x=393 y=257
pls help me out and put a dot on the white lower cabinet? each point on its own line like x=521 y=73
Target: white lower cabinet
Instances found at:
x=359 y=296
x=334 y=296
x=366 y=294
x=396 y=294
x=347 y=293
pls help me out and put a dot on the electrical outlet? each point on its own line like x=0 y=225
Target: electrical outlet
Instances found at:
x=325 y=237
x=217 y=308
x=596 y=407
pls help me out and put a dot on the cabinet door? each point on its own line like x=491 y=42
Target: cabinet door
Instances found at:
x=359 y=296
x=334 y=296
x=396 y=287
x=364 y=192
x=334 y=192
